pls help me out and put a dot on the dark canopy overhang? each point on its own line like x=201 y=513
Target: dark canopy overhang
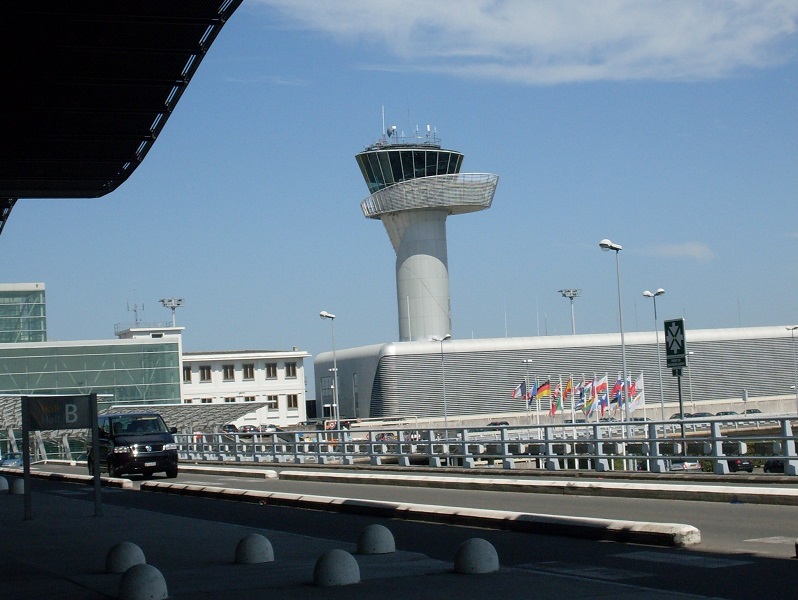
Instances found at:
x=89 y=84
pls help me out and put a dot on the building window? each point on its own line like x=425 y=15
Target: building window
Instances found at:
x=205 y=373
x=249 y=371
x=290 y=370
x=293 y=401
x=271 y=402
x=228 y=372
x=187 y=373
x=230 y=399
x=189 y=400
x=271 y=370
x=249 y=398
x=207 y=400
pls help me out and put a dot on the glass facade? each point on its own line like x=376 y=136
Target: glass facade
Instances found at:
x=122 y=372
x=383 y=166
x=22 y=313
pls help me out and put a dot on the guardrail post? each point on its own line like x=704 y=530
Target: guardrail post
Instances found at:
x=600 y=462
x=552 y=464
x=720 y=464
x=790 y=459
x=656 y=464
x=507 y=462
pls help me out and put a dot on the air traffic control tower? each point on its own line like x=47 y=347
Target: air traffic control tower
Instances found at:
x=415 y=184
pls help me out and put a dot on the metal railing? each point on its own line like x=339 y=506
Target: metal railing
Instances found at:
x=605 y=446
x=636 y=445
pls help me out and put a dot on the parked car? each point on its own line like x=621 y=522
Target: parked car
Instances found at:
x=774 y=465
x=498 y=424
x=701 y=415
x=740 y=464
x=14 y=460
x=135 y=443
x=685 y=465
x=229 y=428
x=677 y=416
x=752 y=411
x=267 y=428
x=247 y=429
x=726 y=413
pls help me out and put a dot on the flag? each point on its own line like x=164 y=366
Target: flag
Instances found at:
x=519 y=391
x=544 y=390
x=532 y=394
x=569 y=389
x=603 y=403
x=579 y=396
x=640 y=396
x=588 y=397
x=617 y=390
x=633 y=385
x=556 y=400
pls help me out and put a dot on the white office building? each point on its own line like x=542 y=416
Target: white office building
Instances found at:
x=275 y=378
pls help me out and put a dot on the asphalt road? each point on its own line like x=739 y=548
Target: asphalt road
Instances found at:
x=726 y=565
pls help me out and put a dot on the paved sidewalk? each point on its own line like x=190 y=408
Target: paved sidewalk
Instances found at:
x=60 y=554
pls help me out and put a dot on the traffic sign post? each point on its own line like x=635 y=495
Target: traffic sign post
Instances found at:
x=676 y=357
x=675 y=344
x=43 y=413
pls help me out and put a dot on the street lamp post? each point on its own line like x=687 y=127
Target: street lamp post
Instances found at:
x=794 y=368
x=571 y=294
x=325 y=315
x=653 y=296
x=690 y=380
x=607 y=245
x=443 y=380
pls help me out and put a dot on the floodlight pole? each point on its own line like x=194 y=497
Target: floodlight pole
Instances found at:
x=571 y=294
x=172 y=303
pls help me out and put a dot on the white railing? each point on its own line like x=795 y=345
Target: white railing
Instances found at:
x=636 y=445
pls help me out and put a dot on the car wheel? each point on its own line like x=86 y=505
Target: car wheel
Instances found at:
x=171 y=473
x=147 y=474
x=112 y=470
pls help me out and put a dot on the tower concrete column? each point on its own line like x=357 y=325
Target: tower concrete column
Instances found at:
x=422 y=273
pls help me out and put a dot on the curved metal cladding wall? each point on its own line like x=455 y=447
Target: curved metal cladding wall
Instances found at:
x=480 y=381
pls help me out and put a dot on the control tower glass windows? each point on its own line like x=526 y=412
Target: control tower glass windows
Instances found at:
x=384 y=167
x=386 y=175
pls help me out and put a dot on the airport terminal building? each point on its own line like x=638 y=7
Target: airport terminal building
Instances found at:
x=476 y=377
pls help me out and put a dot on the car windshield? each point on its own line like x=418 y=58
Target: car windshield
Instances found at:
x=138 y=424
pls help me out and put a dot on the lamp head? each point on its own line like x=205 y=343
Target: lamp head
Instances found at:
x=325 y=315
x=606 y=245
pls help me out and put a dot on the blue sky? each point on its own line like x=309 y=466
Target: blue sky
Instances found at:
x=669 y=127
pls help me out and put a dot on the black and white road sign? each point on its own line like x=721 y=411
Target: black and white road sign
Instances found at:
x=675 y=344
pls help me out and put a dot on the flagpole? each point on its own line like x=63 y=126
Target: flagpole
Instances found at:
x=537 y=404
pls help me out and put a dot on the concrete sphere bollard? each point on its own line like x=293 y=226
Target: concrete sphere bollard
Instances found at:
x=18 y=486
x=142 y=582
x=3 y=484
x=476 y=556
x=123 y=556
x=376 y=539
x=253 y=548
x=336 y=567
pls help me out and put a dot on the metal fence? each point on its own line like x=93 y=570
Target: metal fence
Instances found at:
x=656 y=446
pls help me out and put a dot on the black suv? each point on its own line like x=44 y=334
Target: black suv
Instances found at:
x=135 y=443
